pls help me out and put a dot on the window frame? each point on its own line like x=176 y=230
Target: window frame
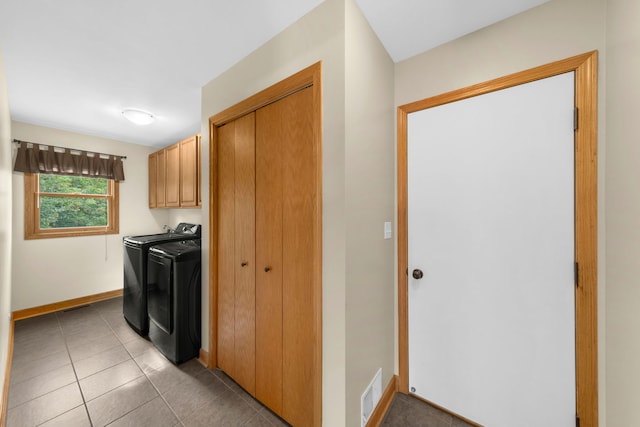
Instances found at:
x=32 y=228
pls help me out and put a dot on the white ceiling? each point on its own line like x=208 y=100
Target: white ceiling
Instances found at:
x=76 y=64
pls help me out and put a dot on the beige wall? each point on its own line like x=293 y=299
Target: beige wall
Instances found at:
x=358 y=171
x=358 y=175
x=369 y=188
x=5 y=227
x=318 y=36
x=555 y=30
x=52 y=270
x=623 y=213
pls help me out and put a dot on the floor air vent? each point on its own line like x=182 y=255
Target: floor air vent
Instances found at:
x=371 y=396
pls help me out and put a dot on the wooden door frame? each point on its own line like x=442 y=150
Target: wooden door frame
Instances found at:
x=308 y=77
x=586 y=90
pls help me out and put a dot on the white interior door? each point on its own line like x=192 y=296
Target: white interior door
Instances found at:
x=491 y=226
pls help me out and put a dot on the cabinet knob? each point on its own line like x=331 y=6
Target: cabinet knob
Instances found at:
x=267 y=269
x=244 y=263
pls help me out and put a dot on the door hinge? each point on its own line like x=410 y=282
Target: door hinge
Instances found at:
x=577 y=274
x=575 y=118
x=577 y=421
x=406 y=271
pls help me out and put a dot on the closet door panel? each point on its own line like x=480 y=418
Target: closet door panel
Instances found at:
x=299 y=256
x=245 y=236
x=269 y=256
x=226 y=248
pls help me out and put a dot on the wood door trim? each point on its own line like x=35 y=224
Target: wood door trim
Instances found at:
x=298 y=81
x=381 y=409
x=308 y=77
x=586 y=92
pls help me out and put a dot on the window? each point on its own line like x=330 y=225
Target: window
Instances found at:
x=65 y=206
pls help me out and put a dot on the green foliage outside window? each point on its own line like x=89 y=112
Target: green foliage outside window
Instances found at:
x=64 y=212
x=72 y=184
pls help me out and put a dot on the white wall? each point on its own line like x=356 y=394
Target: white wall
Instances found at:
x=5 y=228
x=52 y=270
x=623 y=213
x=553 y=31
x=370 y=189
x=192 y=215
x=318 y=36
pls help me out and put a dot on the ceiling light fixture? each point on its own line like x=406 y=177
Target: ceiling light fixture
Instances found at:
x=138 y=117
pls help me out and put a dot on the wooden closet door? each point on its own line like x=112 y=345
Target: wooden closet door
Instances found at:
x=269 y=256
x=226 y=248
x=245 y=253
x=286 y=152
x=236 y=248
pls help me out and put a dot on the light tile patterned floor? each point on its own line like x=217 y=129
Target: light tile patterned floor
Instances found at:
x=86 y=367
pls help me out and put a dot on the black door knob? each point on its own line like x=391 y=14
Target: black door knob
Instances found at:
x=417 y=274
x=267 y=269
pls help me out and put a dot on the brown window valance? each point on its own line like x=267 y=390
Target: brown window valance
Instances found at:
x=38 y=159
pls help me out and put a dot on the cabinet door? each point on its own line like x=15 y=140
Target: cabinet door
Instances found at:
x=172 y=188
x=189 y=172
x=287 y=167
x=236 y=250
x=152 y=180
x=161 y=178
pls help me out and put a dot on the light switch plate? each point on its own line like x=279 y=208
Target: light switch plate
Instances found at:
x=387 y=230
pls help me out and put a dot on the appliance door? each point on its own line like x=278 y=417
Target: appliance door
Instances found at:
x=160 y=292
x=194 y=311
x=134 y=276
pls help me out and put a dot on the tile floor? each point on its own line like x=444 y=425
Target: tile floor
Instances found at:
x=407 y=411
x=86 y=367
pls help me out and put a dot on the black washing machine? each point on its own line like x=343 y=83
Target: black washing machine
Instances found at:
x=136 y=249
x=173 y=290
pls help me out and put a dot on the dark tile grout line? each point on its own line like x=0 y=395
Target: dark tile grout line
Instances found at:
x=223 y=380
x=122 y=385
x=208 y=371
x=143 y=373
x=59 y=327
x=84 y=402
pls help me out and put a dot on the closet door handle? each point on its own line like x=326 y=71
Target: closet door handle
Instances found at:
x=267 y=269
x=244 y=263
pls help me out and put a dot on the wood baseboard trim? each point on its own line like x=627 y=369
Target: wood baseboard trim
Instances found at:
x=385 y=402
x=65 y=305
x=4 y=402
x=204 y=358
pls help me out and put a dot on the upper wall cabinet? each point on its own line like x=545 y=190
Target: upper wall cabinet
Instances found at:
x=190 y=172
x=174 y=175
